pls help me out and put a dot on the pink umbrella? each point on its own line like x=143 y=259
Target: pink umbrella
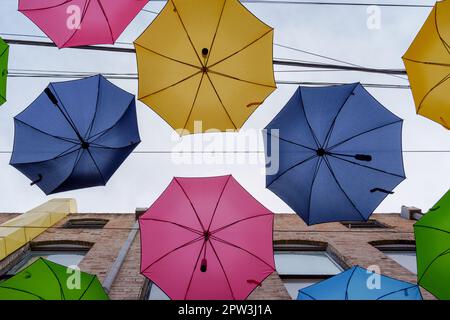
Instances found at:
x=71 y=23
x=206 y=238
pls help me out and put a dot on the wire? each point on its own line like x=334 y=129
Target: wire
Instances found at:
x=323 y=3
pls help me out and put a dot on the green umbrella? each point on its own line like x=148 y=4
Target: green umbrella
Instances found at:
x=432 y=234
x=46 y=280
x=4 y=51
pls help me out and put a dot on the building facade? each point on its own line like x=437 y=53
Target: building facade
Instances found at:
x=303 y=255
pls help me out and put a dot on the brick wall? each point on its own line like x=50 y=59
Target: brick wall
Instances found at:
x=349 y=246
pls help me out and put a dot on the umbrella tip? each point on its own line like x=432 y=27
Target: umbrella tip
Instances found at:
x=203 y=265
x=205 y=52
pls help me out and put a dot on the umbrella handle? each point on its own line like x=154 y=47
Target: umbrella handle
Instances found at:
x=381 y=190
x=203 y=265
x=36 y=181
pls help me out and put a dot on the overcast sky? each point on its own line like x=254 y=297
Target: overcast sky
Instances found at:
x=339 y=32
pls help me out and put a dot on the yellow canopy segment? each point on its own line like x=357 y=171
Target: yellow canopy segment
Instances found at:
x=205 y=60
x=20 y=230
x=427 y=62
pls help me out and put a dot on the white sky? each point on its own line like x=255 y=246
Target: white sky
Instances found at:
x=339 y=32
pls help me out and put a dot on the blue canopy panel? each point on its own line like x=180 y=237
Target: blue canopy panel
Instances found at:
x=340 y=153
x=360 y=284
x=75 y=135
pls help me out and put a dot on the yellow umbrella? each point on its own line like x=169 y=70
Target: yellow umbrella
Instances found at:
x=427 y=62
x=205 y=60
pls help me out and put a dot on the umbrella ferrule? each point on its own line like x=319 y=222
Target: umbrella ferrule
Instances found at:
x=39 y=179
x=51 y=96
x=381 y=190
x=203 y=265
x=363 y=157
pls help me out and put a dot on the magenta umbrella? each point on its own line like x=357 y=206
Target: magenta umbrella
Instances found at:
x=206 y=238
x=72 y=23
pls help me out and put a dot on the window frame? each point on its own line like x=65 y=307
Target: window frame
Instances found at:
x=365 y=225
x=89 y=223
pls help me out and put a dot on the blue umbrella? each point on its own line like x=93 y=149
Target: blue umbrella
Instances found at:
x=360 y=284
x=75 y=135
x=340 y=153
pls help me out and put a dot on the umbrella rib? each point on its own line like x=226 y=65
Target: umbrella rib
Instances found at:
x=431 y=90
x=307 y=294
x=167 y=57
x=66 y=114
x=316 y=171
x=439 y=32
x=192 y=205
x=107 y=20
x=46 y=8
x=170 y=86
x=348 y=284
x=193 y=271
x=57 y=280
x=194 y=101
x=46 y=133
x=60 y=155
x=223 y=269
x=187 y=34
x=173 y=250
x=218 y=200
x=342 y=189
x=23 y=291
x=433 y=228
x=215 y=33
x=306 y=118
x=396 y=291
x=73 y=169
x=221 y=103
x=242 y=249
x=360 y=134
x=427 y=62
x=292 y=142
x=88 y=132
x=445 y=252
x=100 y=146
x=240 y=50
x=174 y=223
x=3 y=52
x=367 y=167
x=88 y=286
x=242 y=80
x=238 y=221
x=330 y=130
x=292 y=167
x=88 y=2
x=96 y=166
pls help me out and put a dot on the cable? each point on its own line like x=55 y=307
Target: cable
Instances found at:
x=323 y=3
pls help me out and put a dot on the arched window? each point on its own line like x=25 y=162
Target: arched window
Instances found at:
x=67 y=253
x=401 y=251
x=303 y=263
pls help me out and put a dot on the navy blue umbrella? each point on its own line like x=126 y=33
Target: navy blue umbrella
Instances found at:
x=75 y=135
x=360 y=284
x=340 y=153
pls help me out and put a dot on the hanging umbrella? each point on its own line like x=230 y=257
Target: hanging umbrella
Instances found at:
x=360 y=284
x=206 y=238
x=205 y=60
x=340 y=153
x=46 y=280
x=75 y=135
x=432 y=234
x=427 y=62
x=72 y=23
x=4 y=52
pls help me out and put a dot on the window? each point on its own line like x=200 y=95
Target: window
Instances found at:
x=404 y=253
x=370 y=224
x=64 y=254
x=85 y=224
x=153 y=292
x=302 y=266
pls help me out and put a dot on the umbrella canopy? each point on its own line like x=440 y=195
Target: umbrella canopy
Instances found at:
x=75 y=135
x=72 y=23
x=432 y=234
x=4 y=52
x=206 y=238
x=427 y=62
x=205 y=60
x=340 y=153
x=46 y=280
x=359 y=284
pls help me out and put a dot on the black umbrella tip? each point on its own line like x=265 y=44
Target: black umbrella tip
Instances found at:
x=51 y=96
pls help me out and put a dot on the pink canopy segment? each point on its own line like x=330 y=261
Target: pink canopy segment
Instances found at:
x=72 y=23
x=207 y=238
